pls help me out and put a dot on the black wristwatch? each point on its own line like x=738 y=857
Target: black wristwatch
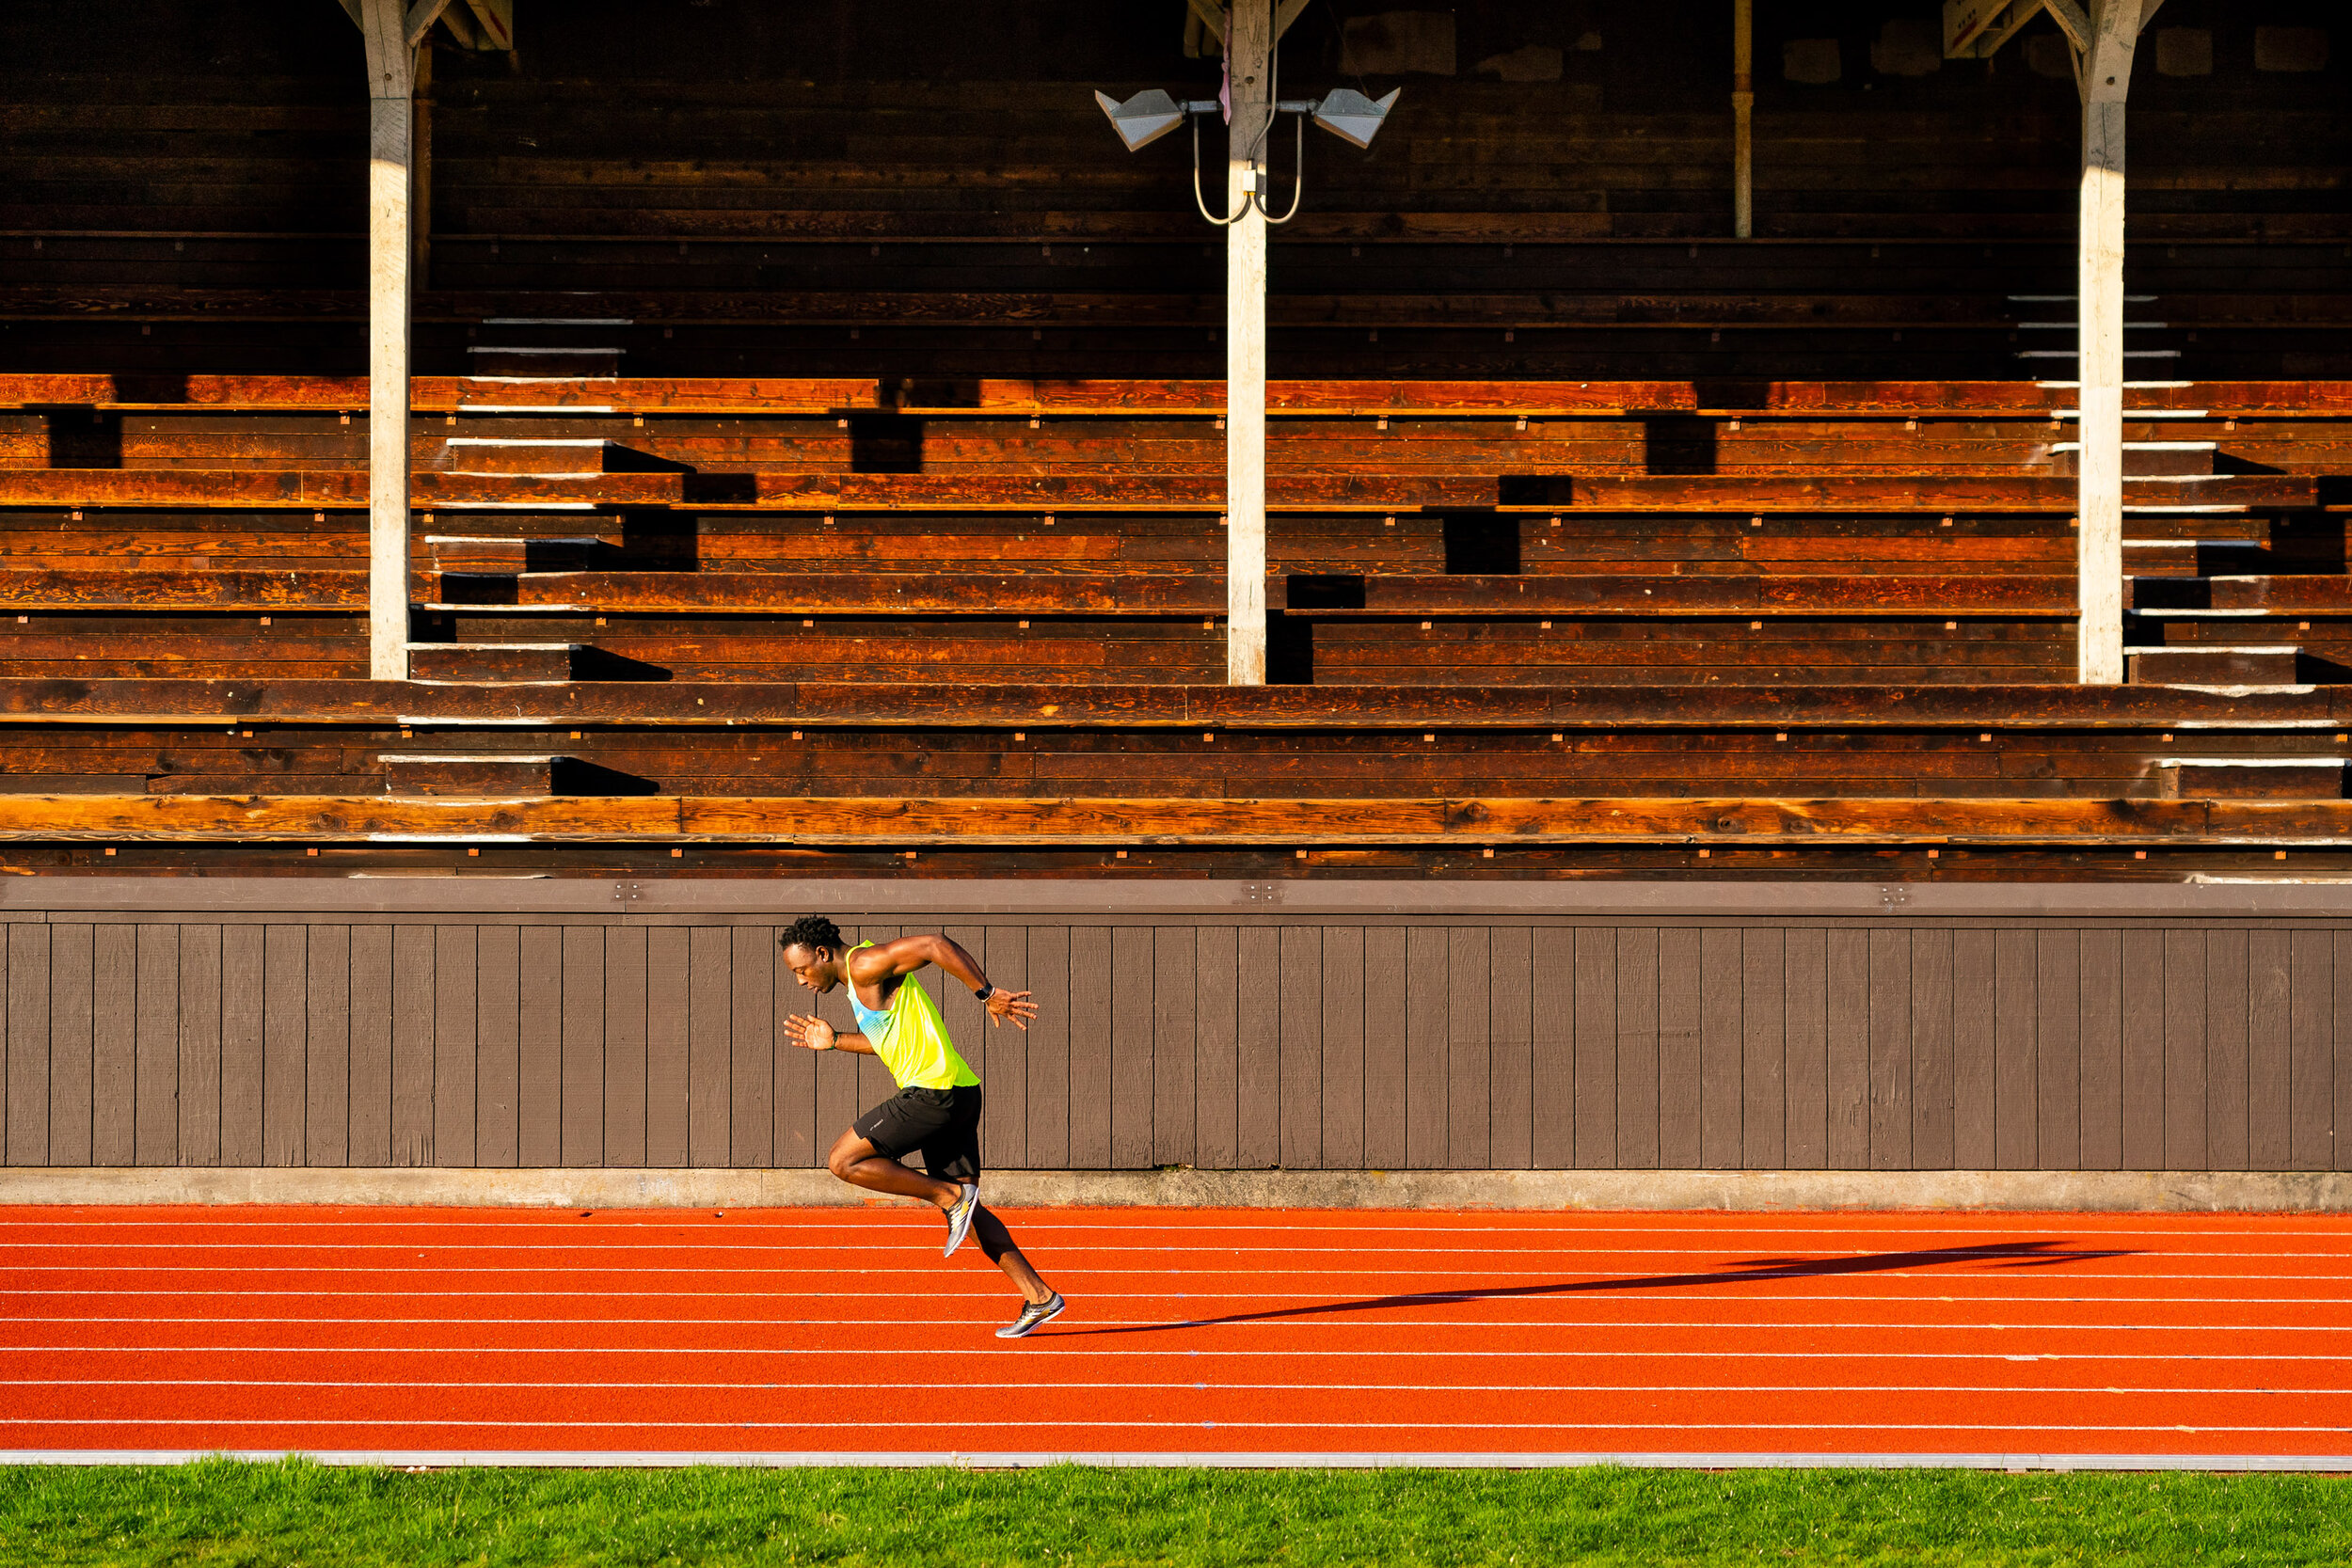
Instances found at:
x=983 y=993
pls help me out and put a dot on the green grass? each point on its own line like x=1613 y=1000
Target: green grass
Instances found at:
x=221 y=1513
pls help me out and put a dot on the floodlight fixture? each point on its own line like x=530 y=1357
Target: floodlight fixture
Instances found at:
x=1152 y=114
x=1351 y=117
x=1143 y=118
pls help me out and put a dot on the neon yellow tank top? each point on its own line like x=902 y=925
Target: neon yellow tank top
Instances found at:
x=911 y=1039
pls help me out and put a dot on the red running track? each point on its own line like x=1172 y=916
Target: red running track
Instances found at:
x=819 y=1335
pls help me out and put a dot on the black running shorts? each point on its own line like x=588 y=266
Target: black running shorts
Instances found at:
x=944 y=1123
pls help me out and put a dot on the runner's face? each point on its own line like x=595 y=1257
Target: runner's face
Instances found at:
x=813 y=967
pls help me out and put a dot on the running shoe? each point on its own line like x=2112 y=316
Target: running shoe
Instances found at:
x=1032 y=1314
x=959 y=1218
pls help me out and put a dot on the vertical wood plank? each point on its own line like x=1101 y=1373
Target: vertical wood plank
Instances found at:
x=2058 y=990
x=1426 y=1007
x=1343 y=1083
x=1591 y=1110
x=1005 y=1133
x=799 y=1143
x=30 y=1043
x=1975 y=1001
x=1216 y=1092
x=2311 y=1051
x=2102 y=1100
x=1131 y=1047
x=1510 y=1044
x=709 y=1046
x=582 y=1103
x=327 y=1073
x=412 y=1045
x=285 y=1031
x=2340 y=1127
x=200 y=1045
x=155 y=1118
x=1551 y=1048
x=1806 y=1042
x=1090 y=1025
x=114 y=1045
x=497 y=1124
x=1846 y=954
x=2144 y=1008
x=1175 y=1041
x=1680 y=1131
x=539 y=1046
x=244 y=980
x=1719 y=1048
x=752 y=1039
x=2185 y=1050
x=457 y=1045
x=1386 y=1025
x=2016 y=1082
x=1932 y=1062
x=2227 y=1048
x=371 y=971
x=1469 y=1106
x=1637 y=1048
x=668 y=1059
x=1302 y=1046
x=1890 y=1050
x=1262 y=1047
x=1763 y=1046
x=1049 y=1049
x=626 y=978
x=2268 y=1034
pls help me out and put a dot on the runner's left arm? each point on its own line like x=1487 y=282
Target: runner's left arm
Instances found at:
x=891 y=959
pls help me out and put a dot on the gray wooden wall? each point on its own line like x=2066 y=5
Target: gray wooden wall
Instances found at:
x=1219 y=1042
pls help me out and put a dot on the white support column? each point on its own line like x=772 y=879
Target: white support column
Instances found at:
x=1743 y=118
x=2104 y=34
x=391 y=157
x=1249 y=52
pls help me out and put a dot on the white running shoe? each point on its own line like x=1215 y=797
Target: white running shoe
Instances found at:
x=959 y=1218
x=1032 y=1314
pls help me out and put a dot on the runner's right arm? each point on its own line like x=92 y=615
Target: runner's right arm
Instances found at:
x=815 y=1033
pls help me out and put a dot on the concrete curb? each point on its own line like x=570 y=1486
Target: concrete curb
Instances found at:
x=2285 y=1192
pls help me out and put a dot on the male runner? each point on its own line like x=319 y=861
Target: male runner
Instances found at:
x=937 y=1108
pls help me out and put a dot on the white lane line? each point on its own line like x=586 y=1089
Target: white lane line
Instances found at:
x=1242 y=1319
x=314 y=1422
x=2023 y=1251
x=1465 y=1294
x=2085 y=1226
x=2035 y=1388
x=1471 y=1261
x=965 y=1351
x=1202 y=1459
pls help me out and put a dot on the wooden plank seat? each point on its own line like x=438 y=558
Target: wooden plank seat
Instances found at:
x=985 y=706
x=1907 y=595
x=298 y=489
x=941 y=396
x=901 y=822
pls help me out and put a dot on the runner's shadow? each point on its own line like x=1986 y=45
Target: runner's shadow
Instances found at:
x=2008 y=1255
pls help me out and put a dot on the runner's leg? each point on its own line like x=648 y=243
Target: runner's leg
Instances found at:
x=953 y=1154
x=857 y=1162
x=997 y=1242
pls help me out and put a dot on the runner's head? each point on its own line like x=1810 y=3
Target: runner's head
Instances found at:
x=812 y=948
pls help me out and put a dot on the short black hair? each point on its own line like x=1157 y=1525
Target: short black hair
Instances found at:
x=811 y=931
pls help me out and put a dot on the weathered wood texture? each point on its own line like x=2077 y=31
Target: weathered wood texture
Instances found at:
x=1335 y=1045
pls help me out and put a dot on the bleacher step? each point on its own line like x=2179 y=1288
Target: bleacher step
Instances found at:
x=2219 y=664
x=2252 y=778
x=495 y=663
x=470 y=775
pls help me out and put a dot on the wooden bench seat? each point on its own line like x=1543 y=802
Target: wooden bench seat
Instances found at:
x=898 y=822
x=628 y=395
x=1910 y=594
x=297 y=489
x=1062 y=706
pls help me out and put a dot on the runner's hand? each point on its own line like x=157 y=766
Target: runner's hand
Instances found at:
x=1014 y=1004
x=809 y=1034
